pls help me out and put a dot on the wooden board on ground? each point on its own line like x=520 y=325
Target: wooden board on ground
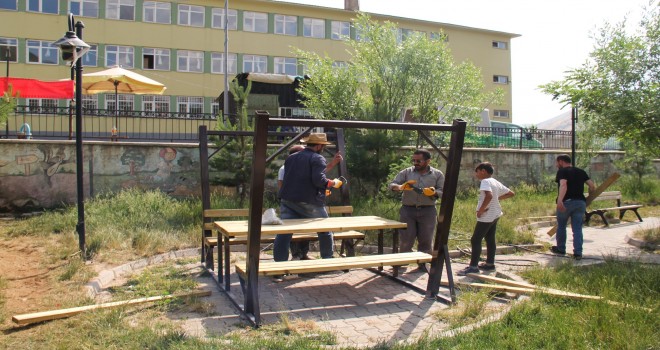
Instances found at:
x=600 y=189
x=63 y=313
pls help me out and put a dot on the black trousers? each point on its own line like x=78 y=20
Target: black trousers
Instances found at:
x=483 y=230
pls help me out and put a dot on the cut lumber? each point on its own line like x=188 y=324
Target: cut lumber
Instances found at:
x=600 y=189
x=63 y=313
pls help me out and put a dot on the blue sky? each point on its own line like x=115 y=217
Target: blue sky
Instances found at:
x=555 y=36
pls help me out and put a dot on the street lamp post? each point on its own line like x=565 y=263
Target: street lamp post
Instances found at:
x=73 y=48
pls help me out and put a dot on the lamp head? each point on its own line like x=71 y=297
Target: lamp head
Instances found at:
x=72 y=47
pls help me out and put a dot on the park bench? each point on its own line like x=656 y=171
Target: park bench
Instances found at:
x=611 y=196
x=211 y=242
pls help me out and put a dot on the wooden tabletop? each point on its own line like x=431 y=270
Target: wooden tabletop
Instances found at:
x=336 y=224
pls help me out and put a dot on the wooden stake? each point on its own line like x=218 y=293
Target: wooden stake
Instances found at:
x=600 y=189
x=63 y=313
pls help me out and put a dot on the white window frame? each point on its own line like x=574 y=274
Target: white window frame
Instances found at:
x=90 y=102
x=40 y=6
x=42 y=105
x=314 y=28
x=9 y=45
x=91 y=58
x=43 y=49
x=158 y=55
x=192 y=106
x=157 y=12
x=502 y=45
x=126 y=102
x=217 y=64
x=339 y=64
x=286 y=65
x=113 y=9
x=15 y=8
x=218 y=19
x=501 y=113
x=255 y=64
x=190 y=61
x=282 y=25
x=156 y=105
x=191 y=15
x=501 y=79
x=256 y=22
x=91 y=6
x=124 y=56
x=340 y=30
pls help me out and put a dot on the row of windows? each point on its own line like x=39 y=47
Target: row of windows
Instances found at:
x=150 y=103
x=43 y=52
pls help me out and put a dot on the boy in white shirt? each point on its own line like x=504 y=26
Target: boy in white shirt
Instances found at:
x=491 y=192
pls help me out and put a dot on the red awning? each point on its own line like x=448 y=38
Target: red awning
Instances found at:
x=32 y=88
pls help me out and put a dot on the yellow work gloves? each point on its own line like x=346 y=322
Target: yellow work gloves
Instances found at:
x=407 y=186
x=429 y=191
x=336 y=183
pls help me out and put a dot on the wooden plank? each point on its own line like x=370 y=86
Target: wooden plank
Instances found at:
x=63 y=313
x=224 y=213
x=338 y=224
x=626 y=207
x=339 y=209
x=599 y=190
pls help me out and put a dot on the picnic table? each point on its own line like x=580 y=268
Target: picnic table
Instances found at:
x=239 y=228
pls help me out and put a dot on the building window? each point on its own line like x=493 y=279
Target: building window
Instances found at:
x=499 y=45
x=157 y=12
x=340 y=30
x=190 y=15
x=42 y=105
x=254 y=64
x=158 y=59
x=42 y=52
x=190 y=61
x=501 y=113
x=314 y=28
x=120 y=9
x=8 y=5
x=90 y=102
x=125 y=102
x=215 y=108
x=218 y=66
x=339 y=64
x=286 y=25
x=90 y=59
x=255 y=22
x=189 y=106
x=8 y=50
x=286 y=65
x=500 y=79
x=403 y=34
x=156 y=105
x=218 y=19
x=85 y=8
x=43 y=6
x=119 y=56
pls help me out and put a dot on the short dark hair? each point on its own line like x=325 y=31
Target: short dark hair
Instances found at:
x=485 y=166
x=426 y=154
x=565 y=158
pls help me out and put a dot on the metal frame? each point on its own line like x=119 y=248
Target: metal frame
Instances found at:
x=250 y=307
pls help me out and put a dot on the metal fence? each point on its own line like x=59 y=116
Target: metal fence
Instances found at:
x=136 y=126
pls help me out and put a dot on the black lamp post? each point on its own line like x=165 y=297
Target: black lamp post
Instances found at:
x=73 y=48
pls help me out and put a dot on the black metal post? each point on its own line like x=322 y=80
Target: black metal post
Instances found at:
x=7 y=88
x=206 y=192
x=574 y=116
x=73 y=74
x=80 y=227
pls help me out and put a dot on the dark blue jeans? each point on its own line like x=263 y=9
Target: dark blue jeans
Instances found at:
x=575 y=209
x=293 y=210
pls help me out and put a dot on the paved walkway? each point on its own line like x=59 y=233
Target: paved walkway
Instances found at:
x=364 y=309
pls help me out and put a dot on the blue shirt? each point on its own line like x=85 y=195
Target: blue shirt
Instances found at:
x=304 y=178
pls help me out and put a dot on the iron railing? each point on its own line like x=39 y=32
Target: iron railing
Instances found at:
x=57 y=123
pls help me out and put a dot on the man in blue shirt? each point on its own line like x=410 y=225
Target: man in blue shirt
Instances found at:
x=303 y=193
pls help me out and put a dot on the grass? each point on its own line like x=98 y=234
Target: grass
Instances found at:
x=471 y=306
x=650 y=235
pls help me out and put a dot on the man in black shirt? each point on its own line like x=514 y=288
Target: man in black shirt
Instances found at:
x=570 y=204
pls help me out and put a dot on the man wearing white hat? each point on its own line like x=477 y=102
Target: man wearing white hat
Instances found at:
x=303 y=193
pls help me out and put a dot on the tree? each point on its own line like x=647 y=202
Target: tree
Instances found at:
x=7 y=104
x=389 y=72
x=620 y=83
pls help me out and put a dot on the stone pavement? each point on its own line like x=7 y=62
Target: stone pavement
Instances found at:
x=364 y=309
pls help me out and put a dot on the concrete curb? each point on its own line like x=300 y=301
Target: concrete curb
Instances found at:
x=640 y=244
x=105 y=277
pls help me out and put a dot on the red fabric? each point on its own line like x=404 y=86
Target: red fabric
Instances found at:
x=32 y=88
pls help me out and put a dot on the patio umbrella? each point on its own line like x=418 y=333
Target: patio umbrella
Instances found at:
x=118 y=79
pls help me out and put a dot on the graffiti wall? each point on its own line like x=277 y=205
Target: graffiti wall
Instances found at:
x=42 y=174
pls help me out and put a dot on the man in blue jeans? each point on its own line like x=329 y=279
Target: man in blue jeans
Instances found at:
x=303 y=194
x=570 y=204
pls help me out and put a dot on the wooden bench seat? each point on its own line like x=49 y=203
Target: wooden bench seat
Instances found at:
x=611 y=195
x=339 y=264
x=297 y=237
